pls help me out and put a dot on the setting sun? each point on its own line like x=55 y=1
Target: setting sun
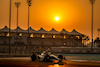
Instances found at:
x=57 y=18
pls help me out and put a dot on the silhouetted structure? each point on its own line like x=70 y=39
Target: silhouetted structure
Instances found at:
x=92 y=2
x=29 y=4
x=9 y=23
x=40 y=40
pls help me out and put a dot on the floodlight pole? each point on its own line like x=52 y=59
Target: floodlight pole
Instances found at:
x=28 y=22
x=29 y=4
x=92 y=2
x=17 y=5
x=9 y=24
x=98 y=33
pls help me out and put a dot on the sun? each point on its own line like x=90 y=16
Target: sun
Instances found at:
x=56 y=18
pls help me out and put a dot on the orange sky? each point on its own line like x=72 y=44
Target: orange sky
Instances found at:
x=73 y=14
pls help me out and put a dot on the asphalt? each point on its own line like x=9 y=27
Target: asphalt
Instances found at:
x=26 y=62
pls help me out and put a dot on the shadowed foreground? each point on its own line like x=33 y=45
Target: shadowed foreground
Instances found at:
x=26 y=62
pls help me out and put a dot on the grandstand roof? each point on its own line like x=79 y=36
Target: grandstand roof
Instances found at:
x=64 y=31
x=53 y=31
x=5 y=29
x=19 y=30
x=41 y=30
x=31 y=30
x=74 y=32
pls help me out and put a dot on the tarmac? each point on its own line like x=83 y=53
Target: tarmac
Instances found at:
x=26 y=62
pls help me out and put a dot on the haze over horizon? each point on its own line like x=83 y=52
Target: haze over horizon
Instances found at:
x=73 y=14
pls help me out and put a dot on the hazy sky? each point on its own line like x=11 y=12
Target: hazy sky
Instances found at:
x=73 y=14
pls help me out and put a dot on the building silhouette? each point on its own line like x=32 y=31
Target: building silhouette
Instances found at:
x=38 y=40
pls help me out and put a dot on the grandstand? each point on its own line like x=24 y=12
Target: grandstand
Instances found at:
x=22 y=42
